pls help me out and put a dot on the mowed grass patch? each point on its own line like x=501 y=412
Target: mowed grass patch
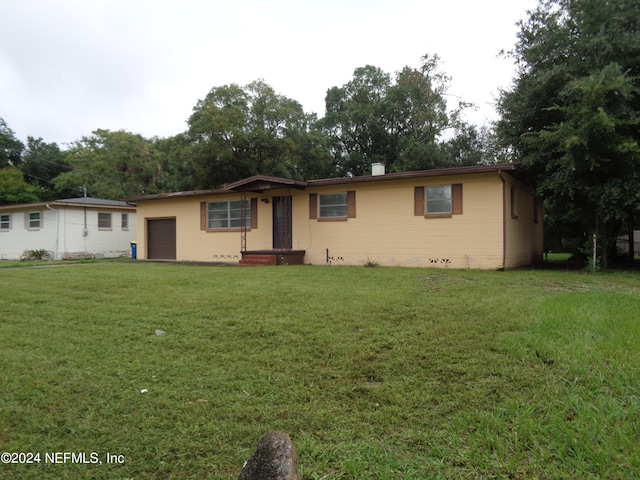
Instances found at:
x=375 y=373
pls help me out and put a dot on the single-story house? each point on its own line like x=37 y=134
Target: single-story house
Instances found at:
x=68 y=228
x=468 y=217
x=479 y=217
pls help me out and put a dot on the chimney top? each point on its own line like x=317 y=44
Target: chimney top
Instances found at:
x=377 y=169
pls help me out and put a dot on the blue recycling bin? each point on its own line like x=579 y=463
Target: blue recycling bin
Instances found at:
x=134 y=249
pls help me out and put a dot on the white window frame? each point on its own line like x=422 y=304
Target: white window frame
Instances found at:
x=102 y=224
x=124 y=221
x=5 y=224
x=32 y=223
x=330 y=208
x=226 y=215
x=438 y=204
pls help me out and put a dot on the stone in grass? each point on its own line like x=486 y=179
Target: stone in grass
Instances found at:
x=275 y=458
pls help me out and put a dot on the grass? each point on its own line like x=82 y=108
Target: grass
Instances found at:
x=375 y=373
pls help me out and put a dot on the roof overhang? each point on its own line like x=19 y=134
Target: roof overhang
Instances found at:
x=261 y=183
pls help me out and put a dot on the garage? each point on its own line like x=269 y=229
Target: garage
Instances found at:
x=161 y=239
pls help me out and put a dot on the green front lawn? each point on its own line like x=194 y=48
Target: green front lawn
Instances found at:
x=375 y=373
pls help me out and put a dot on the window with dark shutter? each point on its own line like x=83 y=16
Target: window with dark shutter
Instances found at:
x=437 y=201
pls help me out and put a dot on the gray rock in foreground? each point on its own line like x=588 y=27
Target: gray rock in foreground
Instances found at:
x=275 y=458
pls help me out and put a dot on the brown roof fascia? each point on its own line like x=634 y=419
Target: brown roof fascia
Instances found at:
x=438 y=172
x=261 y=183
x=190 y=193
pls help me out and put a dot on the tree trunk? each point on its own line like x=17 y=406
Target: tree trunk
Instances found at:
x=631 y=238
x=601 y=235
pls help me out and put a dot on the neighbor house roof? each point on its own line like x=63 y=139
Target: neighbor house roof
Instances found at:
x=75 y=202
x=260 y=183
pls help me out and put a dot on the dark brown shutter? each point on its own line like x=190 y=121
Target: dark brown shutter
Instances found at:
x=351 y=204
x=254 y=213
x=418 y=201
x=313 y=206
x=456 y=199
x=203 y=215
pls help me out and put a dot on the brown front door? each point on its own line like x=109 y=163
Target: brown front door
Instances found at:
x=282 y=230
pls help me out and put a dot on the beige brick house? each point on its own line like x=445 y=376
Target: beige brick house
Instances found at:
x=479 y=217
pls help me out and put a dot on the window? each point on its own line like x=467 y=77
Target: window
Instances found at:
x=34 y=220
x=104 y=221
x=227 y=214
x=333 y=206
x=5 y=222
x=438 y=200
x=125 y=221
x=514 y=203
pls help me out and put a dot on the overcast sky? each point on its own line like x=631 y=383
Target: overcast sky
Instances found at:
x=69 y=67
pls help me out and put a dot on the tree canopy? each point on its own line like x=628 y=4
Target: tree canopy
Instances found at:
x=572 y=114
x=399 y=122
x=10 y=147
x=236 y=132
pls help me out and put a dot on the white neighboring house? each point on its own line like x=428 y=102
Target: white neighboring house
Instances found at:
x=69 y=228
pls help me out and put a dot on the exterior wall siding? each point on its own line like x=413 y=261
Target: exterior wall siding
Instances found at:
x=384 y=231
x=61 y=232
x=523 y=228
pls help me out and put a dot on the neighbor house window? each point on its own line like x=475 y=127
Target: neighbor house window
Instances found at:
x=104 y=221
x=125 y=221
x=514 y=203
x=34 y=220
x=228 y=214
x=5 y=222
x=438 y=200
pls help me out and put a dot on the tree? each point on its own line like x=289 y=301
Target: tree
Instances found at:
x=359 y=122
x=400 y=123
x=112 y=165
x=237 y=132
x=10 y=147
x=41 y=163
x=572 y=114
x=13 y=188
x=471 y=145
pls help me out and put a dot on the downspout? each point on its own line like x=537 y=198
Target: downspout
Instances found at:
x=85 y=230
x=504 y=219
x=55 y=254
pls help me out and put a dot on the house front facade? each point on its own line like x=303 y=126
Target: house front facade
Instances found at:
x=68 y=228
x=470 y=217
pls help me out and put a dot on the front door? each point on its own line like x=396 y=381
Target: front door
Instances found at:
x=282 y=222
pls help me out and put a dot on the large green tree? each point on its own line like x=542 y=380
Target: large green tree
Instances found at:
x=572 y=114
x=237 y=131
x=10 y=147
x=13 y=188
x=112 y=165
x=398 y=121
x=41 y=163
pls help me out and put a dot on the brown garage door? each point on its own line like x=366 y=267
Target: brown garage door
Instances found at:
x=161 y=239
